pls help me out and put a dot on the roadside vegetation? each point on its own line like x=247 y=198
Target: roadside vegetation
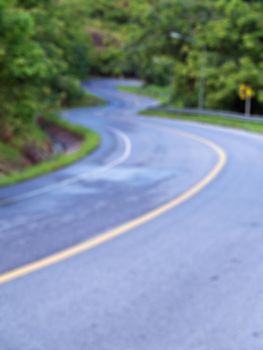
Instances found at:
x=179 y=48
x=216 y=43
x=87 y=100
x=161 y=93
x=253 y=126
x=88 y=142
x=183 y=44
x=43 y=58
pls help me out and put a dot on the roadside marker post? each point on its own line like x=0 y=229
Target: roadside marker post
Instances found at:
x=246 y=93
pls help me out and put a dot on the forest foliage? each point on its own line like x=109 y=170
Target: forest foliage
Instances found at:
x=43 y=56
x=48 y=46
x=180 y=42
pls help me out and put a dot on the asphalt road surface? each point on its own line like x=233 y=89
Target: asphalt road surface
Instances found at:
x=153 y=242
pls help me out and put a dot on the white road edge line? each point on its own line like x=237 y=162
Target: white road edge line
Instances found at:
x=50 y=188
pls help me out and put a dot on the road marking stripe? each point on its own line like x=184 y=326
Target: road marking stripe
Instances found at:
x=71 y=180
x=143 y=219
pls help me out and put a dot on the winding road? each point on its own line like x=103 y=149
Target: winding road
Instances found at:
x=153 y=242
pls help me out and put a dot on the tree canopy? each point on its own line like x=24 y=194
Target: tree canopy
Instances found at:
x=221 y=39
x=42 y=59
x=48 y=46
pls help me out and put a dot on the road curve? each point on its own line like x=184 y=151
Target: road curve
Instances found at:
x=183 y=203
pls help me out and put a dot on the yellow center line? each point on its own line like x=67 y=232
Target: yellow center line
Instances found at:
x=118 y=231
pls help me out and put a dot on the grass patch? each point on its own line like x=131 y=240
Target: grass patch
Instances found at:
x=161 y=93
x=88 y=100
x=8 y=152
x=90 y=142
x=253 y=126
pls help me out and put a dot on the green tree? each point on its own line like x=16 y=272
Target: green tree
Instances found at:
x=42 y=59
x=24 y=68
x=235 y=56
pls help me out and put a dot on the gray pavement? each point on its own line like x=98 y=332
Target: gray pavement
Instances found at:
x=191 y=279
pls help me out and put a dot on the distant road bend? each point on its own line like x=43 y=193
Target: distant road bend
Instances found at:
x=155 y=241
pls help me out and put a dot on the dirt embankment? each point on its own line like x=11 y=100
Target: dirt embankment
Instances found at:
x=58 y=140
x=62 y=139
